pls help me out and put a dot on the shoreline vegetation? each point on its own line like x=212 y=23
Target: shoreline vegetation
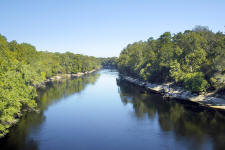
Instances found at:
x=193 y=62
x=23 y=68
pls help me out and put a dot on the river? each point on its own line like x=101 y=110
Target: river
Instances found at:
x=94 y=112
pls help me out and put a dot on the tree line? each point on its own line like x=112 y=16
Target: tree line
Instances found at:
x=194 y=59
x=109 y=62
x=22 y=67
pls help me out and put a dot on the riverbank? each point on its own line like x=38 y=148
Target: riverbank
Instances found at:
x=61 y=77
x=168 y=90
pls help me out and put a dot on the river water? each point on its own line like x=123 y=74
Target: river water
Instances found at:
x=94 y=112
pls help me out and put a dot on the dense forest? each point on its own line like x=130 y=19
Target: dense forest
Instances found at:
x=194 y=59
x=22 y=67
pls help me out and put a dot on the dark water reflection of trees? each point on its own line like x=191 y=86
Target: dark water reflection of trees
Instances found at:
x=185 y=120
x=18 y=138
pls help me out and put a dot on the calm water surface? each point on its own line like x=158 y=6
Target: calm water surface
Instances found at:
x=95 y=112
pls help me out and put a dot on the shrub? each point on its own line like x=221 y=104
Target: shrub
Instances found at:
x=195 y=82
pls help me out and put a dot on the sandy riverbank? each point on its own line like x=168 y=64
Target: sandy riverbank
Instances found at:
x=170 y=91
x=61 y=77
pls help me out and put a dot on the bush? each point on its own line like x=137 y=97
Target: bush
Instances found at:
x=195 y=82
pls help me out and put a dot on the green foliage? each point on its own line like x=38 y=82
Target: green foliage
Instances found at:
x=192 y=59
x=175 y=71
x=21 y=67
x=110 y=62
x=195 y=82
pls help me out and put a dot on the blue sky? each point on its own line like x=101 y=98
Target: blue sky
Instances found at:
x=103 y=27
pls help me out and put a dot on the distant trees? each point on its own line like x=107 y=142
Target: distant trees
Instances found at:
x=21 y=66
x=110 y=62
x=194 y=59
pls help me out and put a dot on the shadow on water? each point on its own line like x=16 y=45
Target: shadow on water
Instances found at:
x=18 y=138
x=185 y=121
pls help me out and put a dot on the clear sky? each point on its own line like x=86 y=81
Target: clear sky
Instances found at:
x=102 y=27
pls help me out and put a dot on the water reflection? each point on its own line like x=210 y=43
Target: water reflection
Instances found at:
x=75 y=117
x=20 y=137
x=194 y=127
